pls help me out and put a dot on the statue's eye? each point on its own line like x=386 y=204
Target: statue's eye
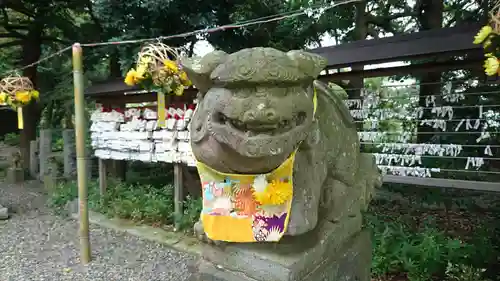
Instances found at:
x=243 y=93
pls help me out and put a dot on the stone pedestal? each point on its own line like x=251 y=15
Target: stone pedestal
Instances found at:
x=4 y=213
x=15 y=175
x=45 y=149
x=50 y=182
x=69 y=151
x=34 y=161
x=334 y=252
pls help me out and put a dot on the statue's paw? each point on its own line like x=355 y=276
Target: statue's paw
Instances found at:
x=200 y=234
x=198 y=230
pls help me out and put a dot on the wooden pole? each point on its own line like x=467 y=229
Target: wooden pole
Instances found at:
x=81 y=154
x=103 y=180
x=178 y=195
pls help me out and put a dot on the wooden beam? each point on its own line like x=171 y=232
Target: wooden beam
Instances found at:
x=445 y=183
x=402 y=47
x=107 y=87
x=120 y=98
x=115 y=98
x=405 y=70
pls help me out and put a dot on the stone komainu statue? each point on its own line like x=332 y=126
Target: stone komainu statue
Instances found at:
x=16 y=160
x=260 y=105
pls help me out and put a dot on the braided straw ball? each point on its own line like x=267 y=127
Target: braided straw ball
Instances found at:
x=157 y=54
x=160 y=63
x=17 y=91
x=495 y=17
x=13 y=84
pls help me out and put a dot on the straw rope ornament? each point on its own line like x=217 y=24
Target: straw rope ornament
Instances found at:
x=17 y=91
x=489 y=38
x=495 y=17
x=158 y=69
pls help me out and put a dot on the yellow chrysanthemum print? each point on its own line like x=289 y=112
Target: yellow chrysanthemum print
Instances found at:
x=276 y=193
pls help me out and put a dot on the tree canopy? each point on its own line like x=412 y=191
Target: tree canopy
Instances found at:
x=30 y=29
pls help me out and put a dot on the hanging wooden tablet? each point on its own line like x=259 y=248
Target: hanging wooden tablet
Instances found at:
x=20 y=121
x=161 y=109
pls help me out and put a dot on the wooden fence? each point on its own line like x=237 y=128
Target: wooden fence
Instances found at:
x=449 y=138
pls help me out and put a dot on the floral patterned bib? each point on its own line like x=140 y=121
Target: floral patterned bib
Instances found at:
x=246 y=208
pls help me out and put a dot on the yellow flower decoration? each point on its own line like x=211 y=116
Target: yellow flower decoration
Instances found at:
x=3 y=98
x=145 y=60
x=276 y=193
x=491 y=66
x=155 y=69
x=141 y=70
x=171 y=66
x=179 y=90
x=10 y=103
x=133 y=77
x=184 y=79
x=483 y=34
x=23 y=97
x=486 y=43
x=35 y=94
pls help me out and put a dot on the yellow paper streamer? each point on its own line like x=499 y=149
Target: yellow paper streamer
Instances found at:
x=315 y=102
x=161 y=109
x=20 y=122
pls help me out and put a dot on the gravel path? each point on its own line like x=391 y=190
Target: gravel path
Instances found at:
x=36 y=245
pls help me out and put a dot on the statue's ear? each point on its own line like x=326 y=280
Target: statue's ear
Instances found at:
x=199 y=69
x=311 y=64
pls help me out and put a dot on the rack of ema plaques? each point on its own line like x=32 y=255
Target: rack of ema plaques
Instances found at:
x=133 y=134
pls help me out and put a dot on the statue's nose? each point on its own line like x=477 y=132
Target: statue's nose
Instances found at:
x=265 y=115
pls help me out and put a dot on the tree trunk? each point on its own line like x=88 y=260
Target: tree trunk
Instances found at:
x=31 y=52
x=118 y=168
x=114 y=65
x=356 y=85
x=360 y=33
x=430 y=17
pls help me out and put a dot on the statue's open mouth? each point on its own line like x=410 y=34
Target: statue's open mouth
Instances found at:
x=252 y=129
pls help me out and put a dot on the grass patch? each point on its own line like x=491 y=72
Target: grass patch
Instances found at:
x=146 y=204
x=418 y=244
x=12 y=139
x=411 y=242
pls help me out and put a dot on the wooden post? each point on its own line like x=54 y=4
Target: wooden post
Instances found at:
x=81 y=154
x=45 y=151
x=178 y=195
x=119 y=167
x=103 y=180
x=34 y=160
x=90 y=166
x=69 y=153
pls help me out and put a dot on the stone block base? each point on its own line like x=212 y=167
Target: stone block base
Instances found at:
x=333 y=252
x=4 y=213
x=50 y=182
x=15 y=175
